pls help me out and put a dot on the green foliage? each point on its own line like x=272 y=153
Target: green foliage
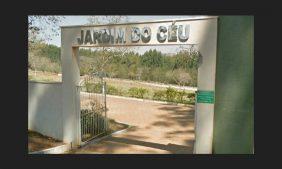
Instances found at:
x=180 y=96
x=107 y=19
x=52 y=52
x=191 y=95
x=137 y=92
x=44 y=64
x=97 y=88
x=187 y=60
x=90 y=117
x=152 y=58
x=93 y=87
x=41 y=28
x=159 y=95
x=180 y=69
x=113 y=90
x=170 y=94
x=190 y=98
x=44 y=57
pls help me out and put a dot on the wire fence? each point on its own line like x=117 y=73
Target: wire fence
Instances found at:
x=93 y=113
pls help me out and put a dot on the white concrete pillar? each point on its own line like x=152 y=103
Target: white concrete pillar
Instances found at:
x=70 y=78
x=206 y=82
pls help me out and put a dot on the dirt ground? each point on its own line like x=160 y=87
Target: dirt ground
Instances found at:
x=37 y=142
x=157 y=128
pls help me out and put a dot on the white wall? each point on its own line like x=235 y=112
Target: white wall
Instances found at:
x=70 y=92
x=45 y=108
x=207 y=38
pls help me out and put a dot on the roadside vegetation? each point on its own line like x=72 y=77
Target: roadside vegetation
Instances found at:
x=180 y=69
x=164 y=94
x=152 y=66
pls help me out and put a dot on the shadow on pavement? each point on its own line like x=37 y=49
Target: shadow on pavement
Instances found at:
x=172 y=148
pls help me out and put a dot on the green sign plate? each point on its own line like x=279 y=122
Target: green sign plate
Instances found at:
x=205 y=96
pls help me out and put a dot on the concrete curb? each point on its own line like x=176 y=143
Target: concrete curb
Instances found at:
x=95 y=141
x=145 y=100
x=155 y=84
x=141 y=100
x=54 y=150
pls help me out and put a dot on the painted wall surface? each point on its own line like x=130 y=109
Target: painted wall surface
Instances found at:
x=234 y=111
x=70 y=91
x=45 y=108
x=207 y=35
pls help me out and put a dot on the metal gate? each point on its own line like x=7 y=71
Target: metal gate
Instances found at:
x=93 y=109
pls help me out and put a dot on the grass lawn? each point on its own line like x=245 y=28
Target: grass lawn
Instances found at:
x=121 y=85
x=118 y=83
x=40 y=76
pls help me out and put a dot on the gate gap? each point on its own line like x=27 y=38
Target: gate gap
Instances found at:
x=91 y=85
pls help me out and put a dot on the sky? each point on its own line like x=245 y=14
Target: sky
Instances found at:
x=82 y=20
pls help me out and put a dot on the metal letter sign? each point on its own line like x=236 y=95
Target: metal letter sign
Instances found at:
x=138 y=34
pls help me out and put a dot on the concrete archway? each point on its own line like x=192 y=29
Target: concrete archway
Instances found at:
x=202 y=31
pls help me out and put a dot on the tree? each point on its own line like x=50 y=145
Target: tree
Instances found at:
x=42 y=28
x=107 y=54
x=152 y=58
x=181 y=77
x=192 y=61
x=107 y=19
x=188 y=57
x=38 y=33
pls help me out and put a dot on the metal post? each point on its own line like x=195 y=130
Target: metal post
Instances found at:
x=195 y=119
x=105 y=104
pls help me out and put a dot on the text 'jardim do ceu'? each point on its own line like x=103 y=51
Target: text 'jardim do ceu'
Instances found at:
x=134 y=34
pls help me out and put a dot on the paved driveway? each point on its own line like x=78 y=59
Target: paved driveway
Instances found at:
x=157 y=128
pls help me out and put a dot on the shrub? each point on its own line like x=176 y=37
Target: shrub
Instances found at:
x=159 y=95
x=170 y=94
x=43 y=64
x=191 y=97
x=133 y=92
x=142 y=92
x=93 y=88
x=112 y=90
x=137 y=92
x=180 y=96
